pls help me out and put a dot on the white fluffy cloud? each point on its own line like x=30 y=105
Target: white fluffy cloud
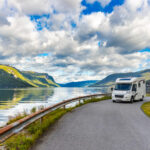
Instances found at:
x=100 y=43
x=133 y=6
x=127 y=28
x=28 y=7
x=45 y=6
x=20 y=37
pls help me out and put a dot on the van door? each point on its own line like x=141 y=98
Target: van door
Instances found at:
x=140 y=90
x=134 y=91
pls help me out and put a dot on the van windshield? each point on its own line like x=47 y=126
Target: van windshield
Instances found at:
x=123 y=87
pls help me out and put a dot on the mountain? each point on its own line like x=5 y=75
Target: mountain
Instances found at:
x=11 y=77
x=79 y=84
x=110 y=80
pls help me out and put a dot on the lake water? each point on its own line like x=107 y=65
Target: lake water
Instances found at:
x=14 y=101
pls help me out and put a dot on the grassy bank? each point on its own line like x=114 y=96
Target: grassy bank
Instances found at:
x=148 y=94
x=25 y=139
x=22 y=115
x=146 y=108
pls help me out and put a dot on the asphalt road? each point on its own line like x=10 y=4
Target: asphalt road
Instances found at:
x=100 y=126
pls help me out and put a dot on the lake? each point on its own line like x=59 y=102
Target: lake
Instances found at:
x=14 y=101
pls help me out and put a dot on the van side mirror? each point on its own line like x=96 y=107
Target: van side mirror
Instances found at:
x=112 y=89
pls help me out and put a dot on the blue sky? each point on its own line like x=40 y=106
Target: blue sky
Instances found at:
x=97 y=7
x=38 y=20
x=77 y=40
x=145 y=50
x=89 y=9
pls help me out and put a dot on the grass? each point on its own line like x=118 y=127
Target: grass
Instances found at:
x=33 y=110
x=148 y=95
x=146 y=108
x=24 y=114
x=25 y=139
x=36 y=81
x=53 y=83
x=146 y=75
x=17 y=117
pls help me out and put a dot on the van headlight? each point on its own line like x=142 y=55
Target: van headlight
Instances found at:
x=128 y=92
x=127 y=96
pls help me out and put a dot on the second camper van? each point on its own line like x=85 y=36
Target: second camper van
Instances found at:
x=129 y=89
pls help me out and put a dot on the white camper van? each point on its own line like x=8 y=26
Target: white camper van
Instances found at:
x=129 y=89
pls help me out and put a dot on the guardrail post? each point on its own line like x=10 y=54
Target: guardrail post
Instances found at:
x=79 y=101
x=41 y=119
x=64 y=107
x=83 y=100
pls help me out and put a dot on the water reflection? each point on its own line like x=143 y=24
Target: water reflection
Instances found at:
x=15 y=101
x=10 y=98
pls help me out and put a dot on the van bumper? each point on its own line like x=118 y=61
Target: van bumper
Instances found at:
x=122 y=99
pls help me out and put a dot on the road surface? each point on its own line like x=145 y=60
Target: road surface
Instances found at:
x=100 y=126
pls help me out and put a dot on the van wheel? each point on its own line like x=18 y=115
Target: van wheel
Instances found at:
x=113 y=101
x=142 y=98
x=132 y=100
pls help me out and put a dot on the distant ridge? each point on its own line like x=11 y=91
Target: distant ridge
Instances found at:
x=10 y=77
x=79 y=83
x=109 y=80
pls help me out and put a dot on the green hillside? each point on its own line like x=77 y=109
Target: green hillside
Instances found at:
x=40 y=79
x=110 y=80
x=11 y=77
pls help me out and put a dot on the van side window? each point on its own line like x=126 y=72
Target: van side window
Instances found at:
x=134 y=88
x=139 y=84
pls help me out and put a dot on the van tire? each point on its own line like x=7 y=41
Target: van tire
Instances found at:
x=113 y=101
x=142 y=98
x=132 y=100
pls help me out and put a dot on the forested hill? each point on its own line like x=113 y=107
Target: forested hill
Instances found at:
x=11 y=77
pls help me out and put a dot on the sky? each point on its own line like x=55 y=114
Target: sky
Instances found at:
x=75 y=40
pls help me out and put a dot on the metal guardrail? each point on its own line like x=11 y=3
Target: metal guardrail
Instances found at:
x=17 y=126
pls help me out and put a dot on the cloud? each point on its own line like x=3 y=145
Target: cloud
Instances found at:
x=126 y=29
x=92 y=25
x=3 y=20
x=134 y=6
x=45 y=6
x=20 y=37
x=103 y=2
x=3 y=14
x=99 y=44
x=28 y=7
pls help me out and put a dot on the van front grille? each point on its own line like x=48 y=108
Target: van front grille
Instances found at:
x=119 y=96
